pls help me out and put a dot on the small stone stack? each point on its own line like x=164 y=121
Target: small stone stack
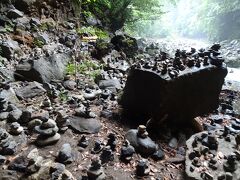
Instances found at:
x=95 y=171
x=47 y=133
x=127 y=152
x=7 y=144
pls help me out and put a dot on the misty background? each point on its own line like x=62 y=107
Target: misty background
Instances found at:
x=212 y=20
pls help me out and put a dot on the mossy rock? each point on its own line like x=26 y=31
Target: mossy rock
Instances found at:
x=125 y=43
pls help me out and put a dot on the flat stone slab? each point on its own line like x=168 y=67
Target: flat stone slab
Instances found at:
x=31 y=90
x=83 y=125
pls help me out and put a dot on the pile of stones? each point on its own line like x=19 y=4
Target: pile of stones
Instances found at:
x=161 y=86
x=213 y=155
x=48 y=133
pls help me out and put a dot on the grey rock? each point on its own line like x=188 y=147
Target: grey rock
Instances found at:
x=45 y=141
x=112 y=84
x=125 y=43
x=43 y=37
x=69 y=84
x=35 y=22
x=220 y=165
x=14 y=13
x=57 y=170
x=4 y=116
x=9 y=47
x=6 y=74
x=44 y=69
x=173 y=143
x=8 y=174
x=82 y=125
x=7 y=144
x=15 y=115
x=16 y=128
x=127 y=152
x=158 y=155
x=31 y=90
x=9 y=95
x=65 y=155
x=145 y=146
x=19 y=164
x=92 y=20
x=33 y=123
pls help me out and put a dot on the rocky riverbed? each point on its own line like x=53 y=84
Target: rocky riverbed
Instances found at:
x=63 y=97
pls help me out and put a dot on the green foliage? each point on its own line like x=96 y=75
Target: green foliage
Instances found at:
x=94 y=31
x=114 y=13
x=215 y=19
x=44 y=27
x=86 y=67
x=8 y=28
x=63 y=95
x=38 y=43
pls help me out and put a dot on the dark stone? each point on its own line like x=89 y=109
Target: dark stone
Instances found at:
x=112 y=141
x=56 y=170
x=82 y=125
x=149 y=95
x=19 y=164
x=65 y=155
x=24 y=5
x=44 y=69
x=9 y=47
x=142 y=168
x=97 y=147
x=2 y=160
x=102 y=48
x=216 y=118
x=158 y=155
x=14 y=14
x=127 y=152
x=15 y=115
x=83 y=142
x=106 y=155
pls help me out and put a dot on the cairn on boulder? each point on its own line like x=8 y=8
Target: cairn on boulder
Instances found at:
x=177 y=89
x=139 y=139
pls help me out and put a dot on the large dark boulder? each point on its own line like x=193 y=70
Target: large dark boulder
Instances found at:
x=149 y=94
x=44 y=69
x=24 y=5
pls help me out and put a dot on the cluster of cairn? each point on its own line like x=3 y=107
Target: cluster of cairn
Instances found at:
x=213 y=155
x=172 y=67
